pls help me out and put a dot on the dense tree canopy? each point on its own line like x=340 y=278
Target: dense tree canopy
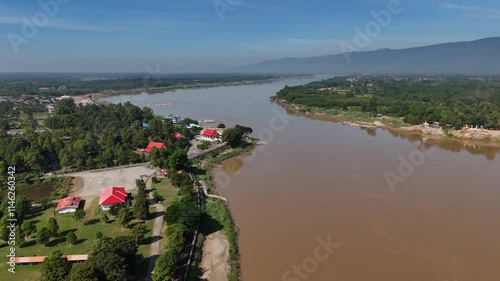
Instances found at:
x=94 y=136
x=113 y=257
x=55 y=267
x=84 y=272
x=183 y=212
x=453 y=100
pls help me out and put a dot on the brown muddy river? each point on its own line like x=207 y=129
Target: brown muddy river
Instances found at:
x=329 y=202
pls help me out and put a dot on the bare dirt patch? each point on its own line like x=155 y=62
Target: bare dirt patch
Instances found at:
x=76 y=185
x=215 y=262
x=95 y=181
x=89 y=204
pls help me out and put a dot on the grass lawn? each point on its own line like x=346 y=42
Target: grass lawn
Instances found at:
x=144 y=250
x=23 y=273
x=167 y=191
x=169 y=194
x=85 y=230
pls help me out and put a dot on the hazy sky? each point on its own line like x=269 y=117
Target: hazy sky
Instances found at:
x=216 y=35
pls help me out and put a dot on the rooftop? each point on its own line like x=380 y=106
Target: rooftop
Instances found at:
x=150 y=146
x=68 y=202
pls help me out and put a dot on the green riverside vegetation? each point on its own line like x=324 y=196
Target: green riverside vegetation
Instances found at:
x=449 y=100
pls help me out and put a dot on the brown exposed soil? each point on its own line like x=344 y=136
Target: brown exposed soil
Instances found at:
x=215 y=262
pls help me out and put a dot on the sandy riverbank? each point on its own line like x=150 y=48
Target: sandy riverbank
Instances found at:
x=487 y=136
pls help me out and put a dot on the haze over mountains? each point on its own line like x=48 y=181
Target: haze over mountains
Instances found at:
x=480 y=56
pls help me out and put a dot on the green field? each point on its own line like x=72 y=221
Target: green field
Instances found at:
x=85 y=230
x=167 y=191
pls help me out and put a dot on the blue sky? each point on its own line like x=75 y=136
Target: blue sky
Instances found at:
x=191 y=36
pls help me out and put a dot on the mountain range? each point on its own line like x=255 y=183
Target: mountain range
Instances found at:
x=472 y=57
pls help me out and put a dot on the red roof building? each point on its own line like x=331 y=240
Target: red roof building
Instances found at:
x=158 y=145
x=210 y=133
x=177 y=135
x=112 y=195
x=68 y=204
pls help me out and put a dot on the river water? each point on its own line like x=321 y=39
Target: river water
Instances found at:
x=328 y=202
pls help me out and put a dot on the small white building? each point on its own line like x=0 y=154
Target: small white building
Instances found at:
x=174 y=119
x=68 y=205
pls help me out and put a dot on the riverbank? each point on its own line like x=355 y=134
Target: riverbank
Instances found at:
x=364 y=120
x=96 y=97
x=218 y=223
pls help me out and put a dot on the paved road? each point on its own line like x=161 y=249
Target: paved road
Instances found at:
x=157 y=227
x=195 y=153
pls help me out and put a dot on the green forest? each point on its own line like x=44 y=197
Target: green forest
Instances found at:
x=88 y=137
x=451 y=100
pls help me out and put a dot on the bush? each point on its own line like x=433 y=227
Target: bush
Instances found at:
x=179 y=180
x=204 y=145
x=53 y=227
x=71 y=238
x=115 y=208
x=104 y=218
x=125 y=216
x=44 y=202
x=167 y=262
x=157 y=197
x=78 y=214
x=43 y=236
x=138 y=233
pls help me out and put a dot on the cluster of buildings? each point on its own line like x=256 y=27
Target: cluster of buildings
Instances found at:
x=35 y=100
x=32 y=100
x=18 y=132
x=109 y=196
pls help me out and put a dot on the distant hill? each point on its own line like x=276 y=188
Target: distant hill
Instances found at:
x=481 y=57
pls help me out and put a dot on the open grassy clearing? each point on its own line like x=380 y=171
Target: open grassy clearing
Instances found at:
x=85 y=230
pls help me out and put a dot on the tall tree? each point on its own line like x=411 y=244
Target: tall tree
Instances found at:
x=125 y=216
x=55 y=267
x=53 y=227
x=84 y=272
x=141 y=207
x=232 y=136
x=71 y=238
x=43 y=236
x=178 y=160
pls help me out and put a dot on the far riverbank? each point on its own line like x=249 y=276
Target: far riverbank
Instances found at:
x=96 y=97
x=489 y=137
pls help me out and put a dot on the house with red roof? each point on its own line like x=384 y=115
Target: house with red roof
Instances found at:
x=68 y=205
x=111 y=196
x=209 y=134
x=150 y=146
x=177 y=135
